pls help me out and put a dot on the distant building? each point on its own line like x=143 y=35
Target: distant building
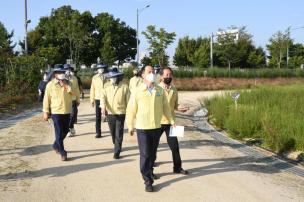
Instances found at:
x=231 y=32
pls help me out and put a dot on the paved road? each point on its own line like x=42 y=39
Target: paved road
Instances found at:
x=31 y=171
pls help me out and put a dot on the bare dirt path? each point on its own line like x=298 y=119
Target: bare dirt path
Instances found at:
x=31 y=171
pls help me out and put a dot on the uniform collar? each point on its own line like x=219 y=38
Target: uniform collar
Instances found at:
x=144 y=87
x=164 y=86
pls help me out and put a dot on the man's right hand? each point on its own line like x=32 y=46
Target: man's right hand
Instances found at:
x=103 y=112
x=93 y=104
x=45 y=116
x=131 y=132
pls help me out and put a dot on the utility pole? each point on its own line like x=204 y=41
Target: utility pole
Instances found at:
x=211 y=50
x=287 y=51
x=137 y=40
x=138 y=11
x=25 y=26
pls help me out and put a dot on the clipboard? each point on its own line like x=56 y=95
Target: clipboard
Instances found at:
x=177 y=131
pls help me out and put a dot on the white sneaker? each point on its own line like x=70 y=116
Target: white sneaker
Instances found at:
x=69 y=134
x=72 y=130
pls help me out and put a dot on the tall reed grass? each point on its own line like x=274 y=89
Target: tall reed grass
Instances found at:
x=272 y=114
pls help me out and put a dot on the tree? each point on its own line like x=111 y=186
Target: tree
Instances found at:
x=123 y=37
x=201 y=57
x=63 y=30
x=277 y=48
x=107 y=52
x=185 y=50
x=81 y=37
x=296 y=53
x=257 y=58
x=50 y=54
x=6 y=46
x=226 y=49
x=6 y=51
x=159 y=41
x=146 y=61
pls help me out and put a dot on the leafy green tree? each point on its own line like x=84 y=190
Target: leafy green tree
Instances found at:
x=50 y=54
x=6 y=52
x=107 y=52
x=201 y=57
x=257 y=58
x=296 y=61
x=6 y=44
x=277 y=48
x=185 y=50
x=123 y=37
x=231 y=51
x=296 y=53
x=244 y=46
x=146 y=61
x=226 y=49
x=159 y=41
x=80 y=36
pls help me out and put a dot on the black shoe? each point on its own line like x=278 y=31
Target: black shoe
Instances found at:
x=97 y=136
x=56 y=150
x=116 y=156
x=64 y=157
x=181 y=171
x=149 y=188
x=155 y=177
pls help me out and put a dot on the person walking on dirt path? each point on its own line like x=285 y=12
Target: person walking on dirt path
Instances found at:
x=75 y=99
x=98 y=83
x=114 y=100
x=58 y=102
x=172 y=96
x=147 y=105
x=74 y=73
x=42 y=86
x=136 y=80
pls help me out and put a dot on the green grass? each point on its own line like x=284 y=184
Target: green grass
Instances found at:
x=238 y=73
x=272 y=114
x=220 y=73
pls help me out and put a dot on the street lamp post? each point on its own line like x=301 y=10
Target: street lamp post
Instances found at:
x=26 y=22
x=138 y=11
x=211 y=50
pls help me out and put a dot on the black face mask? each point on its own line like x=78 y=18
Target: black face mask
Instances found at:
x=167 y=80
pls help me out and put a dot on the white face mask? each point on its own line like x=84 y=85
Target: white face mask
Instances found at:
x=151 y=77
x=100 y=71
x=72 y=73
x=61 y=76
x=113 y=81
x=45 y=77
x=68 y=73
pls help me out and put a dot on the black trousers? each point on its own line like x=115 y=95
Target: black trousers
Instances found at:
x=148 y=141
x=116 y=125
x=74 y=113
x=61 y=125
x=173 y=144
x=98 y=117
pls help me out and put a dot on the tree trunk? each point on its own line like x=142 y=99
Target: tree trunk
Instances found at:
x=280 y=60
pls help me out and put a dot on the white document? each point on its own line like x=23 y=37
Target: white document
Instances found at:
x=177 y=131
